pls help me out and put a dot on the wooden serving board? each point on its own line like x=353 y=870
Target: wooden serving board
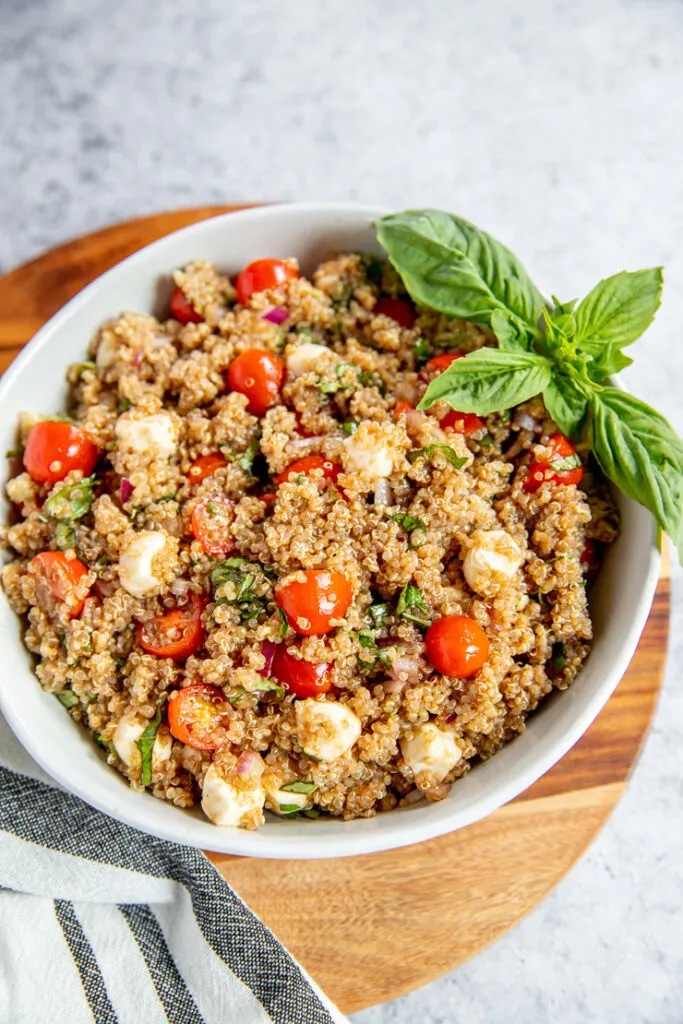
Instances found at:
x=371 y=928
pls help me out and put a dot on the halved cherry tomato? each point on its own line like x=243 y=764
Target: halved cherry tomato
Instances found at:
x=63 y=577
x=262 y=275
x=198 y=715
x=212 y=519
x=402 y=407
x=182 y=310
x=258 y=375
x=437 y=364
x=55 y=448
x=314 y=601
x=304 y=467
x=176 y=634
x=551 y=470
x=205 y=465
x=268 y=499
x=457 y=646
x=397 y=310
x=302 y=678
x=462 y=422
x=300 y=428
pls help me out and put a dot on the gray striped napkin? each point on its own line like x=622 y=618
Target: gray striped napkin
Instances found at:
x=101 y=922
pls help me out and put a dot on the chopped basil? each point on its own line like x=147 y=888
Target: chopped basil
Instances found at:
x=311 y=813
x=284 y=625
x=211 y=509
x=411 y=605
x=365 y=379
x=342 y=300
x=366 y=639
x=68 y=698
x=374 y=268
x=428 y=453
x=244 y=575
x=146 y=748
x=72 y=502
x=246 y=460
x=270 y=684
x=14 y=453
x=120 y=662
x=350 y=428
x=82 y=367
x=104 y=743
x=566 y=463
x=124 y=404
x=299 y=786
x=65 y=536
x=166 y=497
x=422 y=350
x=486 y=441
x=290 y=808
x=558 y=659
x=378 y=613
x=414 y=527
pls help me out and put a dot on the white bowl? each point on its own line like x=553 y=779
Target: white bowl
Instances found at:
x=35 y=382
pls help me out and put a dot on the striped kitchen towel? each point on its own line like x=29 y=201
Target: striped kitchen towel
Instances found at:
x=101 y=922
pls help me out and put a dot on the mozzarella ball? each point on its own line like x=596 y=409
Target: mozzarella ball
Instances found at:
x=229 y=806
x=306 y=357
x=326 y=729
x=430 y=749
x=125 y=740
x=363 y=456
x=491 y=561
x=147 y=562
x=107 y=352
x=154 y=436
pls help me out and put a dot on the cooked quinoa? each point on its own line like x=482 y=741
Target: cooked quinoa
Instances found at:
x=421 y=520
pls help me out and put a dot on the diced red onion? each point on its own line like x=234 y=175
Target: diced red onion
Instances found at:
x=268 y=652
x=250 y=765
x=413 y=797
x=137 y=357
x=413 y=418
x=276 y=315
x=383 y=492
x=126 y=490
x=179 y=587
x=299 y=443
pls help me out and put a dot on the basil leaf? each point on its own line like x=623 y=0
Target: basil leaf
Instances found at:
x=411 y=605
x=65 y=536
x=489 y=380
x=408 y=522
x=510 y=338
x=68 y=698
x=350 y=428
x=146 y=748
x=284 y=625
x=567 y=405
x=611 y=360
x=447 y=452
x=270 y=684
x=566 y=463
x=448 y=264
x=618 y=309
x=422 y=350
x=299 y=786
x=378 y=613
x=72 y=502
x=640 y=453
x=246 y=459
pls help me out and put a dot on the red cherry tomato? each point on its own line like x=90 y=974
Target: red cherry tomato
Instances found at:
x=312 y=603
x=402 y=407
x=205 y=465
x=437 y=364
x=457 y=646
x=551 y=470
x=262 y=275
x=302 y=678
x=305 y=467
x=397 y=310
x=258 y=375
x=63 y=577
x=176 y=634
x=198 y=715
x=462 y=422
x=212 y=519
x=55 y=448
x=300 y=428
x=182 y=310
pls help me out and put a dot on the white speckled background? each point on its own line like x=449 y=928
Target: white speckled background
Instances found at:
x=556 y=125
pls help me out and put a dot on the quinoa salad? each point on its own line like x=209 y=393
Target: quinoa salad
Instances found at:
x=264 y=581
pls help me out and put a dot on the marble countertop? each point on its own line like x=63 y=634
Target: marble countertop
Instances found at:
x=557 y=125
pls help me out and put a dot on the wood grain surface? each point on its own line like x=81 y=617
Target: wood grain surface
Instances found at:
x=371 y=928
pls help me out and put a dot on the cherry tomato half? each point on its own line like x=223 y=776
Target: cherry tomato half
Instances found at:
x=198 y=716
x=402 y=407
x=55 y=448
x=457 y=646
x=182 y=310
x=176 y=634
x=462 y=422
x=262 y=275
x=312 y=603
x=211 y=522
x=302 y=678
x=205 y=465
x=63 y=577
x=437 y=364
x=552 y=470
x=258 y=375
x=396 y=309
x=305 y=467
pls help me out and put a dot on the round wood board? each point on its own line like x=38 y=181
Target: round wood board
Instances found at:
x=408 y=916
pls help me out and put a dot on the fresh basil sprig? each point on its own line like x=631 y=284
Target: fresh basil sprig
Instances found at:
x=565 y=351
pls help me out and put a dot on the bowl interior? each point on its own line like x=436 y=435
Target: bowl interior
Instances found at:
x=620 y=600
